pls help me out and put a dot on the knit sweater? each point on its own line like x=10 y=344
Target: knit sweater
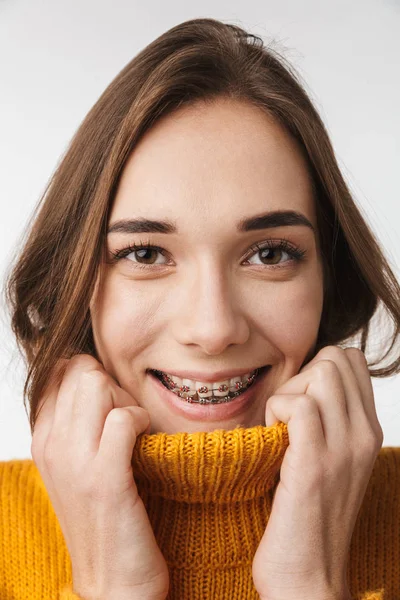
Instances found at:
x=208 y=496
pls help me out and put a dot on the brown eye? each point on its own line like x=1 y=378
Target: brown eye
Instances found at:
x=146 y=254
x=271 y=253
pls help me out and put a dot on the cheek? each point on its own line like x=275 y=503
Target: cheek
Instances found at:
x=291 y=316
x=123 y=317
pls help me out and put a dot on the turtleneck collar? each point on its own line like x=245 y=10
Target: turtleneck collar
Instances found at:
x=218 y=466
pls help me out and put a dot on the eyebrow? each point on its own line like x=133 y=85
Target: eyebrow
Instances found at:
x=280 y=218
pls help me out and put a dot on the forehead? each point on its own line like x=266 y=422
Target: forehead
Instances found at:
x=216 y=161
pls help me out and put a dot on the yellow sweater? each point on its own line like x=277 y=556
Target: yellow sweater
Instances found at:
x=208 y=496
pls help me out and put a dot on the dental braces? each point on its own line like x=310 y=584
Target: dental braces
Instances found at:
x=204 y=389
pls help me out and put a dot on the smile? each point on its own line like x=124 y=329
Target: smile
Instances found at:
x=208 y=393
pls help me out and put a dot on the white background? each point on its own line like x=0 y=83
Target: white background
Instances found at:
x=56 y=58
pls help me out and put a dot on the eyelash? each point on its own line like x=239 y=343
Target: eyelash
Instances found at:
x=295 y=252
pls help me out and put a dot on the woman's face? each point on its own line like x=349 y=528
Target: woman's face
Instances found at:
x=210 y=300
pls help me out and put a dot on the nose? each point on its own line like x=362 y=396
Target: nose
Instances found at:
x=209 y=314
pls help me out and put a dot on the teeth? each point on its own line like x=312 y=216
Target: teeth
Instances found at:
x=193 y=386
x=204 y=392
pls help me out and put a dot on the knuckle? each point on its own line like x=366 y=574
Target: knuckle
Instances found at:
x=120 y=416
x=356 y=353
x=377 y=439
x=94 y=377
x=325 y=368
x=371 y=443
x=331 y=353
x=305 y=403
x=82 y=362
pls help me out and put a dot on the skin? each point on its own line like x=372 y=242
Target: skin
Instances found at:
x=210 y=302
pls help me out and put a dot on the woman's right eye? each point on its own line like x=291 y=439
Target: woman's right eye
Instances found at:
x=143 y=251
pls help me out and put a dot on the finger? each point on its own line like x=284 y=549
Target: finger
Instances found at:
x=87 y=409
x=350 y=381
x=323 y=382
x=65 y=410
x=121 y=429
x=360 y=368
x=46 y=408
x=96 y=395
x=86 y=396
x=357 y=384
x=303 y=419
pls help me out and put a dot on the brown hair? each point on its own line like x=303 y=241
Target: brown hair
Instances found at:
x=51 y=283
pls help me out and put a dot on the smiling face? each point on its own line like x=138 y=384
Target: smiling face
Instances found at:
x=210 y=300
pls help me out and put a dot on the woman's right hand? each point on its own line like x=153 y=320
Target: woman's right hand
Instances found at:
x=82 y=445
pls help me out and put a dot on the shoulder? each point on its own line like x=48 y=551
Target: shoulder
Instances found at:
x=31 y=533
x=25 y=509
x=20 y=486
x=12 y=470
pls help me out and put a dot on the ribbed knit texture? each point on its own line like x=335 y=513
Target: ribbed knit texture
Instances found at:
x=209 y=497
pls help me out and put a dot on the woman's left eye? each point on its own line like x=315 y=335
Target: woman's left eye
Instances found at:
x=268 y=251
x=274 y=250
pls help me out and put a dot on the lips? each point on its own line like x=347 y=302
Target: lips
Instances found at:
x=211 y=411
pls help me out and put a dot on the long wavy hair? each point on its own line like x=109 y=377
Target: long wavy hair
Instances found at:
x=51 y=280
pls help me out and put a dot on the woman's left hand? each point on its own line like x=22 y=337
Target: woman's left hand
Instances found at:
x=334 y=439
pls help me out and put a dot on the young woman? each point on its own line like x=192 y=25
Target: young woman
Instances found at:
x=193 y=301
